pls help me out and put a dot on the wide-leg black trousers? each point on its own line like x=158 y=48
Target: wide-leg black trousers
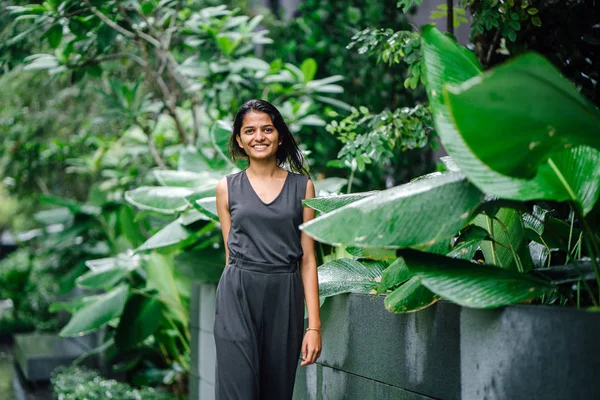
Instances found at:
x=259 y=326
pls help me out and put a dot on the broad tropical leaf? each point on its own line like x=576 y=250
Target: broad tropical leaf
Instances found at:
x=508 y=245
x=205 y=180
x=345 y=275
x=165 y=200
x=58 y=215
x=126 y=260
x=208 y=207
x=473 y=285
x=411 y=296
x=414 y=214
x=192 y=216
x=138 y=321
x=329 y=186
x=574 y=173
x=191 y=159
x=73 y=206
x=327 y=204
x=160 y=276
x=102 y=279
x=97 y=313
x=201 y=265
x=527 y=109
x=393 y=275
x=171 y=234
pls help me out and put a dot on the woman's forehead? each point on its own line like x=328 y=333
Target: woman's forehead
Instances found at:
x=256 y=118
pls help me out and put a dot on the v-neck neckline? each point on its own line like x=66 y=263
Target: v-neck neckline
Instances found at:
x=287 y=177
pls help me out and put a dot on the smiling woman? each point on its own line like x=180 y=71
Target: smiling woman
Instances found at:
x=271 y=267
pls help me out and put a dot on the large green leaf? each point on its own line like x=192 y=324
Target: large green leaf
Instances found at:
x=138 y=321
x=165 y=200
x=74 y=206
x=527 y=109
x=102 y=279
x=220 y=134
x=327 y=204
x=125 y=260
x=329 y=186
x=201 y=265
x=97 y=313
x=470 y=284
x=129 y=226
x=411 y=296
x=205 y=180
x=345 y=275
x=58 y=215
x=508 y=235
x=160 y=276
x=393 y=275
x=574 y=173
x=171 y=234
x=208 y=207
x=191 y=159
x=414 y=214
x=191 y=217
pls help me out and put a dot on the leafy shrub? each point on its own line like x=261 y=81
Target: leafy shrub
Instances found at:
x=31 y=289
x=76 y=383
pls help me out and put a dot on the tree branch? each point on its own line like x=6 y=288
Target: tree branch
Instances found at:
x=488 y=57
x=110 y=22
x=153 y=150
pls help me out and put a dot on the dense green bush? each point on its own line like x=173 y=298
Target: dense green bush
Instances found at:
x=31 y=289
x=79 y=383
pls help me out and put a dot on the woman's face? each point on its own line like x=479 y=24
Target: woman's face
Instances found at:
x=258 y=136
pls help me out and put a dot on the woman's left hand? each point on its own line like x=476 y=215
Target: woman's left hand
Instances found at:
x=311 y=347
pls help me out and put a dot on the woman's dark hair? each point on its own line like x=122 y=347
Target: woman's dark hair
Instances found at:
x=288 y=150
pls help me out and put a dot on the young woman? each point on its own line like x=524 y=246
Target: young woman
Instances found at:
x=271 y=269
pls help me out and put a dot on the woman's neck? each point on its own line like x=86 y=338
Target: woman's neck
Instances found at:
x=267 y=169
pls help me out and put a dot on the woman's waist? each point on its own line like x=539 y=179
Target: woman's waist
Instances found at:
x=241 y=262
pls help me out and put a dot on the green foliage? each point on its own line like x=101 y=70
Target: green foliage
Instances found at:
x=392 y=48
x=453 y=64
x=526 y=88
x=75 y=382
x=31 y=289
x=441 y=207
x=505 y=16
x=368 y=137
x=386 y=219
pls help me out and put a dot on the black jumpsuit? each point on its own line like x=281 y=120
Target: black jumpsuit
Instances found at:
x=259 y=319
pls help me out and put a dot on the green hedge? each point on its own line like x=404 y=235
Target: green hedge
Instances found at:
x=79 y=383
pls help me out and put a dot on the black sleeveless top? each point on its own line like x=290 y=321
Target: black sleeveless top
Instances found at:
x=265 y=232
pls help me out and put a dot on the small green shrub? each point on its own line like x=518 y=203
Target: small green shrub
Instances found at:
x=79 y=383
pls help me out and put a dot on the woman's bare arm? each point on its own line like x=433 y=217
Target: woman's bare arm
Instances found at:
x=311 y=348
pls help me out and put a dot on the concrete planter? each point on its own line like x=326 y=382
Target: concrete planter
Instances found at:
x=203 y=356
x=530 y=352
x=442 y=352
x=369 y=353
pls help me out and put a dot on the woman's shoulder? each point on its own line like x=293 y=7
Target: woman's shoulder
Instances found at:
x=299 y=177
x=233 y=176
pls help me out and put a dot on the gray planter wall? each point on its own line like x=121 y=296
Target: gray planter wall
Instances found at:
x=442 y=352
x=530 y=352
x=370 y=351
x=203 y=356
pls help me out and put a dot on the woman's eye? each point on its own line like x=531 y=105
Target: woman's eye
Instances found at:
x=268 y=130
